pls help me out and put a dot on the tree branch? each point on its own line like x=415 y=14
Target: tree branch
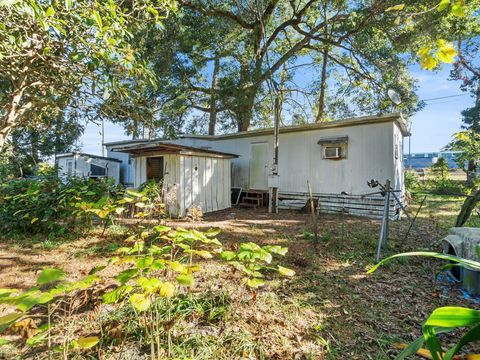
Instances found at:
x=218 y=12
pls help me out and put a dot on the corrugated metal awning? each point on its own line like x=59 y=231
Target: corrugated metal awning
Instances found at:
x=333 y=140
x=159 y=148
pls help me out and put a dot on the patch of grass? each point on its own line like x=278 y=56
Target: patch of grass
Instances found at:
x=285 y=237
x=47 y=242
x=308 y=234
x=102 y=249
x=330 y=351
x=326 y=236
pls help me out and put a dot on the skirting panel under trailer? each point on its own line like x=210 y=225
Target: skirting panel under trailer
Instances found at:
x=369 y=205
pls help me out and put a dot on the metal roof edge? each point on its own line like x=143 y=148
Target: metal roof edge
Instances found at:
x=152 y=144
x=131 y=141
x=89 y=155
x=355 y=121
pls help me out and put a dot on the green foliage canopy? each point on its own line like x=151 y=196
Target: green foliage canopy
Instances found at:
x=67 y=53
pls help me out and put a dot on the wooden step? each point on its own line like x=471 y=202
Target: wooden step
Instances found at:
x=250 y=205
x=252 y=198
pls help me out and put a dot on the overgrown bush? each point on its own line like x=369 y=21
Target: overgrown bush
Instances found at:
x=46 y=169
x=412 y=183
x=47 y=204
x=440 y=169
x=445 y=187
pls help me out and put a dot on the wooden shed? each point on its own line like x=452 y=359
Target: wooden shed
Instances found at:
x=189 y=176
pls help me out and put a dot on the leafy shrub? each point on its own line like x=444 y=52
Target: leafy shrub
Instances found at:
x=46 y=204
x=154 y=273
x=440 y=169
x=444 y=319
x=7 y=169
x=46 y=169
x=445 y=187
x=412 y=183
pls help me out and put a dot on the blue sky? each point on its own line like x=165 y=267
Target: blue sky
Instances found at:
x=432 y=127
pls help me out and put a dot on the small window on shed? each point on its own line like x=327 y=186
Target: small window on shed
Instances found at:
x=96 y=170
x=155 y=168
x=69 y=167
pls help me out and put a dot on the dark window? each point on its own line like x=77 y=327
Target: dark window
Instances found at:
x=69 y=167
x=155 y=168
x=96 y=170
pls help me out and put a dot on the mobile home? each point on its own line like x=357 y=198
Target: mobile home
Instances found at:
x=88 y=166
x=337 y=158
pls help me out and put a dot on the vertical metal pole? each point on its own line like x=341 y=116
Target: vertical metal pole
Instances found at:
x=387 y=205
x=103 y=137
x=410 y=151
x=380 y=238
x=384 y=227
x=274 y=192
x=312 y=209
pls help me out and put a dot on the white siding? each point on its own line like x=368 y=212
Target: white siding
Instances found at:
x=205 y=183
x=127 y=172
x=81 y=166
x=191 y=181
x=370 y=154
x=398 y=160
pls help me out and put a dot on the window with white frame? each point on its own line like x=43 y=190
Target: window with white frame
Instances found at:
x=332 y=152
x=334 y=148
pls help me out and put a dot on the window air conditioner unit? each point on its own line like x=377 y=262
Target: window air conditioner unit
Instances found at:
x=333 y=152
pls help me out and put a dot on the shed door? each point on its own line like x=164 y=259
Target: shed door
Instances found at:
x=155 y=168
x=259 y=166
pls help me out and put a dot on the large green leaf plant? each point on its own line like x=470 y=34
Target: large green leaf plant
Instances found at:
x=443 y=319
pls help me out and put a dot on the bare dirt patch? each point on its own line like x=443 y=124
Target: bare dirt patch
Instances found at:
x=330 y=310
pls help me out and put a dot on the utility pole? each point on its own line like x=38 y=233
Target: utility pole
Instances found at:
x=103 y=137
x=273 y=179
x=410 y=151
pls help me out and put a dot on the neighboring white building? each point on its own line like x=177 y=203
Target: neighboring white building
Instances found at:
x=189 y=176
x=88 y=166
x=337 y=157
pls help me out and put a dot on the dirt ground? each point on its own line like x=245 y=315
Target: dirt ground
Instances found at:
x=330 y=310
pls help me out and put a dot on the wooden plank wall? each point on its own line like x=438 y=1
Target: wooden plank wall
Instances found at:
x=370 y=206
x=204 y=182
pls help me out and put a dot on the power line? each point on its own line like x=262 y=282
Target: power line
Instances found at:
x=441 y=102
x=445 y=97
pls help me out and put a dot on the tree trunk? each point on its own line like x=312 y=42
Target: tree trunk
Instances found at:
x=471 y=172
x=323 y=87
x=467 y=208
x=249 y=85
x=474 y=126
x=244 y=117
x=13 y=112
x=213 y=97
x=244 y=108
